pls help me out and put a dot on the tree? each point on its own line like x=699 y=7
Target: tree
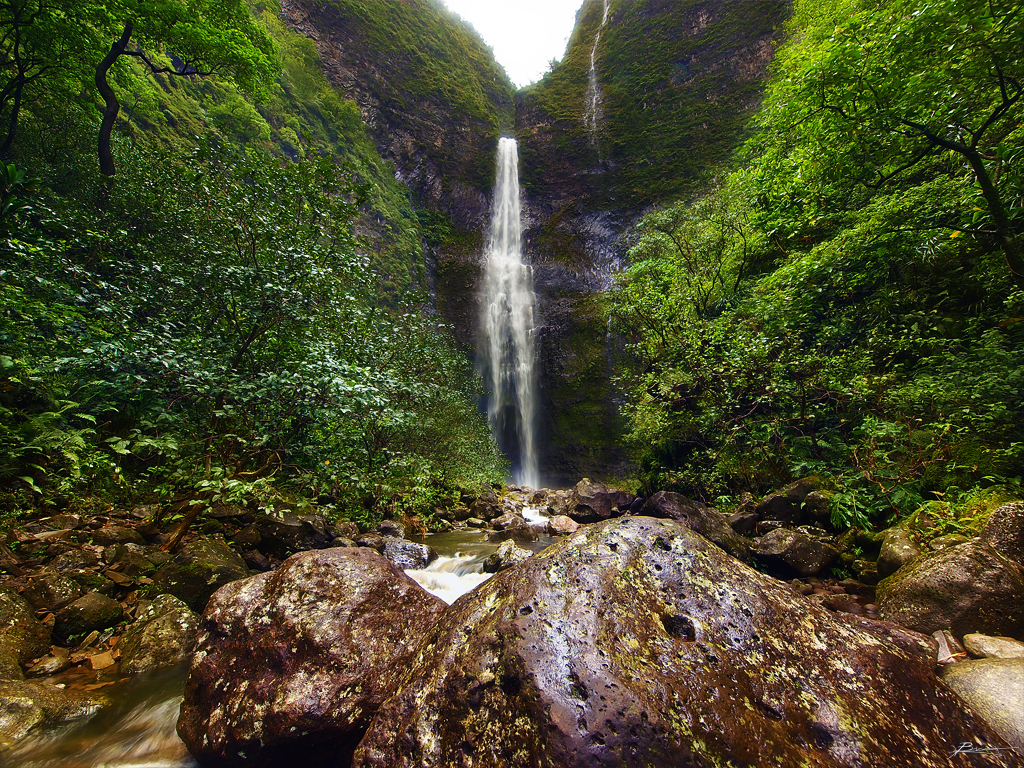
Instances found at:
x=874 y=95
x=204 y=37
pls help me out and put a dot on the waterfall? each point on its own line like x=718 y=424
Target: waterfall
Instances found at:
x=593 y=106
x=507 y=347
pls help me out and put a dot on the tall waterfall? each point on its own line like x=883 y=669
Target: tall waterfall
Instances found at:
x=507 y=348
x=593 y=116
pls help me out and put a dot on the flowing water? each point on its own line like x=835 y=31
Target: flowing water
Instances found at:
x=137 y=729
x=593 y=104
x=508 y=346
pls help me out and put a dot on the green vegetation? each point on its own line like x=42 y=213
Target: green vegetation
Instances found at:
x=217 y=322
x=677 y=81
x=847 y=301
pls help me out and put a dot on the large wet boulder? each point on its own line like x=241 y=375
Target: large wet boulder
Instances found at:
x=636 y=642
x=162 y=635
x=898 y=549
x=591 y=502
x=27 y=706
x=51 y=591
x=22 y=636
x=408 y=554
x=994 y=688
x=507 y=555
x=967 y=588
x=486 y=506
x=291 y=666
x=284 y=535
x=200 y=569
x=705 y=520
x=89 y=612
x=1004 y=531
x=799 y=552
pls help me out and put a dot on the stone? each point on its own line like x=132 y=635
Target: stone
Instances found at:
x=520 y=533
x=778 y=507
x=26 y=706
x=967 y=588
x=744 y=523
x=345 y=529
x=247 y=538
x=22 y=636
x=476 y=522
x=487 y=506
x=562 y=525
x=48 y=665
x=805 y=554
x=818 y=507
x=898 y=549
x=636 y=642
x=284 y=535
x=949 y=651
x=390 y=528
x=767 y=526
x=257 y=561
x=116 y=534
x=75 y=560
x=993 y=688
x=89 y=612
x=51 y=591
x=705 y=520
x=371 y=541
x=129 y=559
x=162 y=635
x=987 y=647
x=1004 y=531
x=590 y=502
x=290 y=667
x=408 y=554
x=506 y=556
x=949 y=540
x=510 y=520
x=198 y=570
x=867 y=572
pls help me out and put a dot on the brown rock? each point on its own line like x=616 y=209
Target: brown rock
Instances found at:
x=705 y=520
x=1004 y=531
x=805 y=554
x=162 y=635
x=86 y=614
x=561 y=525
x=590 y=502
x=22 y=636
x=994 y=688
x=291 y=666
x=987 y=647
x=898 y=549
x=635 y=642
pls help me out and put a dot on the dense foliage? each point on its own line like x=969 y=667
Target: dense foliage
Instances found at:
x=847 y=302
x=221 y=323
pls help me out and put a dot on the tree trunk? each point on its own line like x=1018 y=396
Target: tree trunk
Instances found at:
x=111 y=104
x=1004 y=231
x=13 y=125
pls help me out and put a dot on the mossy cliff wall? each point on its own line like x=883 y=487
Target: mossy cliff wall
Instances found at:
x=678 y=80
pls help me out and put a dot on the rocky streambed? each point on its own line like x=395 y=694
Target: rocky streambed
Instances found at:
x=616 y=631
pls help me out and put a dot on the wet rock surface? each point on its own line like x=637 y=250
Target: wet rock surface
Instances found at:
x=507 y=555
x=408 y=554
x=592 y=502
x=966 y=588
x=86 y=614
x=898 y=549
x=291 y=666
x=805 y=554
x=705 y=520
x=1004 y=531
x=22 y=636
x=162 y=635
x=199 y=570
x=636 y=642
x=994 y=688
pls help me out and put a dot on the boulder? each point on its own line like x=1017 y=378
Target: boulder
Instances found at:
x=345 y=529
x=391 y=528
x=994 y=688
x=487 y=506
x=27 y=706
x=562 y=525
x=520 y=533
x=987 y=647
x=898 y=549
x=807 y=555
x=1004 y=531
x=51 y=591
x=705 y=520
x=818 y=508
x=291 y=666
x=22 y=636
x=116 y=534
x=506 y=556
x=949 y=540
x=284 y=535
x=86 y=614
x=636 y=642
x=591 y=502
x=200 y=569
x=408 y=554
x=130 y=559
x=371 y=541
x=967 y=588
x=744 y=523
x=509 y=520
x=162 y=635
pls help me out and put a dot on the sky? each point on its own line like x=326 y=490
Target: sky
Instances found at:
x=525 y=34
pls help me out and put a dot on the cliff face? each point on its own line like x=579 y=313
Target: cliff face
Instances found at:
x=673 y=84
x=676 y=82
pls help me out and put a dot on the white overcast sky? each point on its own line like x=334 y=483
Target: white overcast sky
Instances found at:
x=525 y=34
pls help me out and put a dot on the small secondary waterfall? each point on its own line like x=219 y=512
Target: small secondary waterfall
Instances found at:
x=592 y=116
x=508 y=348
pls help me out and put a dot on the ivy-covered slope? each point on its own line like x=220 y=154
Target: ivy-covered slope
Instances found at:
x=429 y=90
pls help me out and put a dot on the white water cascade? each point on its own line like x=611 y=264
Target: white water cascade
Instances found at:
x=508 y=348
x=593 y=113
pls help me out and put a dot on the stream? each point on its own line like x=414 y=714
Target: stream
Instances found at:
x=137 y=729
